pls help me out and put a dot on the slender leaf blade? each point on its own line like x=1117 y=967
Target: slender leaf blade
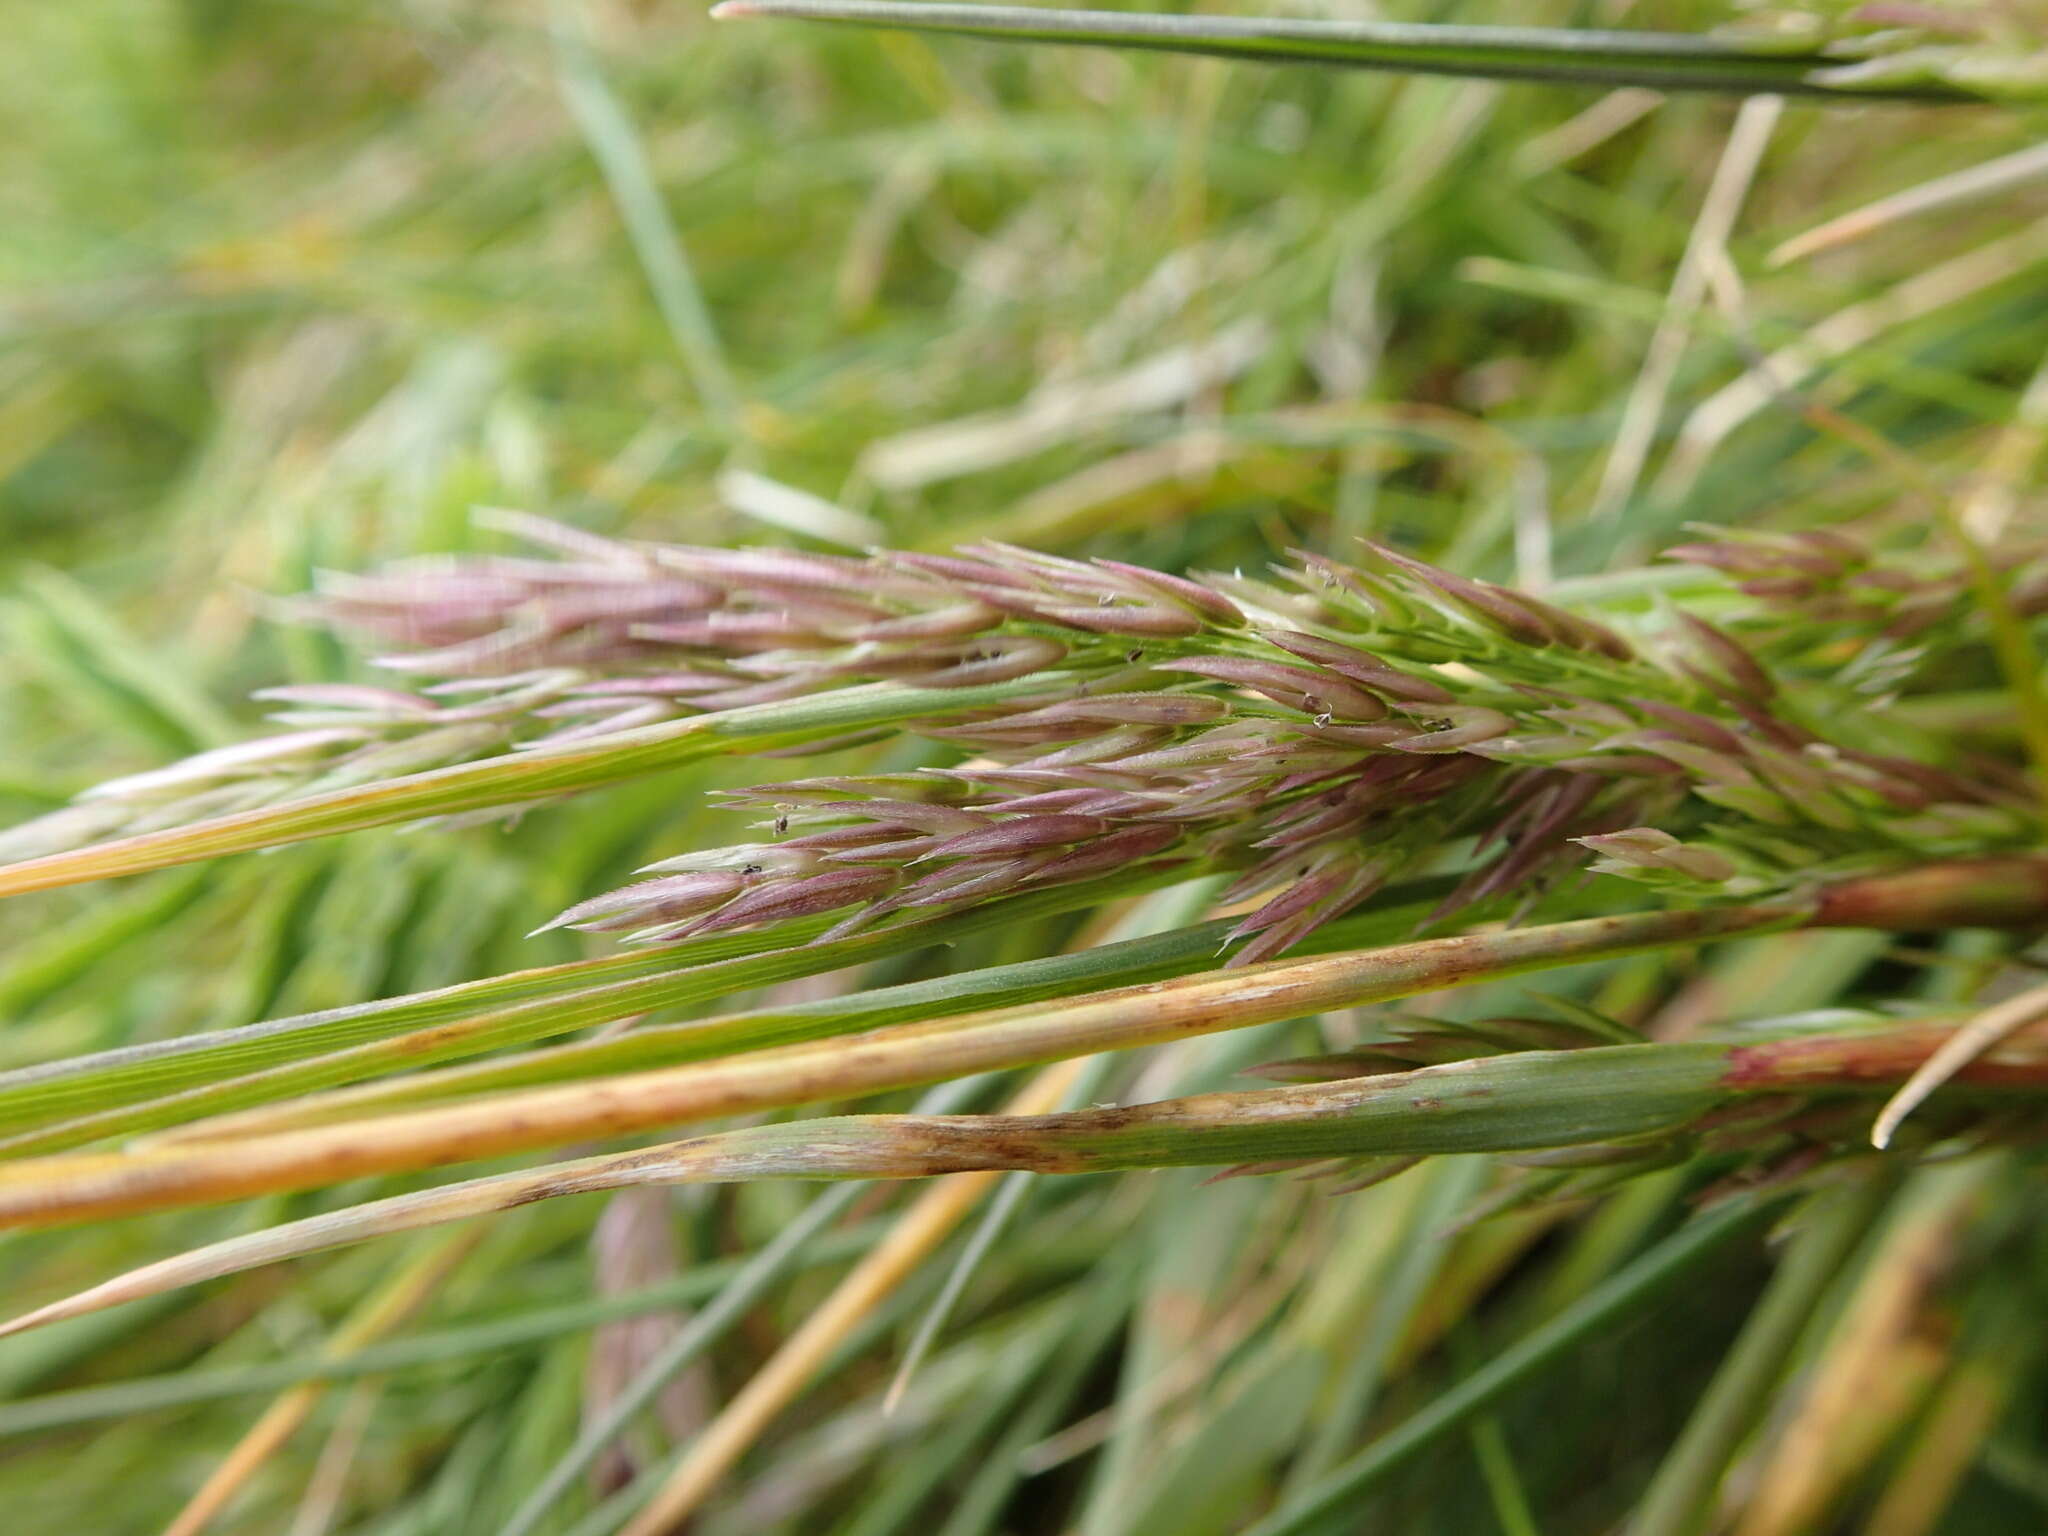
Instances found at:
x=1657 y=60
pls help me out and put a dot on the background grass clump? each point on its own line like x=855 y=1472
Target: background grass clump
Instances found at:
x=286 y=288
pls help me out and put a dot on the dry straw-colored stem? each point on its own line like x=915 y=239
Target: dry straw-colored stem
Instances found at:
x=46 y=1191
x=1973 y=1040
x=1520 y=1101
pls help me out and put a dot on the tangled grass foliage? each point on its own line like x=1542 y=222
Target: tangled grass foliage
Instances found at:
x=1334 y=538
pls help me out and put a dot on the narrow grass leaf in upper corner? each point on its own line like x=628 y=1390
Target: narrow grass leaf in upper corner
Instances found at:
x=1671 y=61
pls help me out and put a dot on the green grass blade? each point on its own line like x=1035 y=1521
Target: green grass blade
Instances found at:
x=499 y=1336
x=702 y=1331
x=1593 y=1314
x=1682 y=1498
x=1536 y=1099
x=145 y=689
x=1428 y=1228
x=34 y=1094
x=1656 y=60
x=40 y=1191
x=135 y=1090
x=1180 y=952
x=608 y=129
x=56 y=959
